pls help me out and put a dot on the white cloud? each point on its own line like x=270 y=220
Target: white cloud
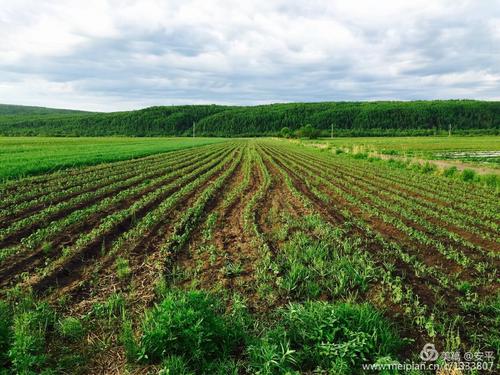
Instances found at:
x=108 y=55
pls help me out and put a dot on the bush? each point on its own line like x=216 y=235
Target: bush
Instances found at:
x=286 y=132
x=319 y=336
x=307 y=132
x=360 y=155
x=428 y=168
x=389 y=152
x=450 y=172
x=395 y=163
x=189 y=324
x=468 y=175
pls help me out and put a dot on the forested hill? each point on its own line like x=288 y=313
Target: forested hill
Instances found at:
x=346 y=118
x=24 y=110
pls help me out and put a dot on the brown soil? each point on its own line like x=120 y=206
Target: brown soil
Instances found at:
x=234 y=245
x=90 y=277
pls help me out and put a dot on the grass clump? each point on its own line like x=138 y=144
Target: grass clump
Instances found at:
x=450 y=172
x=326 y=263
x=192 y=325
x=5 y=333
x=175 y=365
x=71 y=328
x=468 y=175
x=360 y=155
x=27 y=351
x=122 y=268
x=491 y=180
x=113 y=307
x=428 y=168
x=319 y=336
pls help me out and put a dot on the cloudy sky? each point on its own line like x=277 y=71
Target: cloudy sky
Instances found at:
x=124 y=54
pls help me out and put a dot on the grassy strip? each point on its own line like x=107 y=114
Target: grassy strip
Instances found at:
x=96 y=237
x=17 y=202
x=42 y=155
x=40 y=235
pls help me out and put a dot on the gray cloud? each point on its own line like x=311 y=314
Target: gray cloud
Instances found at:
x=125 y=54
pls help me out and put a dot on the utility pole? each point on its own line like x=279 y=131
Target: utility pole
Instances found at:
x=194 y=128
x=449 y=129
x=331 y=132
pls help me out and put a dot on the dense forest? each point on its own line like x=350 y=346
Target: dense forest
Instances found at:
x=24 y=110
x=345 y=118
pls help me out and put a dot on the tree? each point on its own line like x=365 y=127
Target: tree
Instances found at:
x=286 y=132
x=307 y=131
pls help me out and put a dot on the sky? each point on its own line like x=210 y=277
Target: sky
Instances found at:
x=108 y=55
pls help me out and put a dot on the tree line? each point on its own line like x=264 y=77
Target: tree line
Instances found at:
x=325 y=119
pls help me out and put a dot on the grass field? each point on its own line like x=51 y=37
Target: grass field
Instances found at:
x=24 y=156
x=460 y=147
x=243 y=257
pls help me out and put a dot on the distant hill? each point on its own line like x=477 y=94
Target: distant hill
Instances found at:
x=346 y=118
x=11 y=109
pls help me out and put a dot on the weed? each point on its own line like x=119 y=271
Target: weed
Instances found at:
x=71 y=328
x=428 y=168
x=450 y=172
x=27 y=352
x=190 y=324
x=468 y=175
x=322 y=336
x=175 y=365
x=5 y=332
x=113 y=307
x=122 y=268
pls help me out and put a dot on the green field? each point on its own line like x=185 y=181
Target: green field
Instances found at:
x=24 y=156
x=417 y=145
x=250 y=256
x=473 y=148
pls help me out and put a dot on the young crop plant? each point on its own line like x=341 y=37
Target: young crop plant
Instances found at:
x=248 y=256
x=319 y=259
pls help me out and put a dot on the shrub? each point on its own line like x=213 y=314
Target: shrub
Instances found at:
x=428 y=168
x=335 y=338
x=468 y=175
x=360 y=155
x=307 y=132
x=389 y=152
x=286 y=132
x=450 y=172
x=190 y=324
x=395 y=163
